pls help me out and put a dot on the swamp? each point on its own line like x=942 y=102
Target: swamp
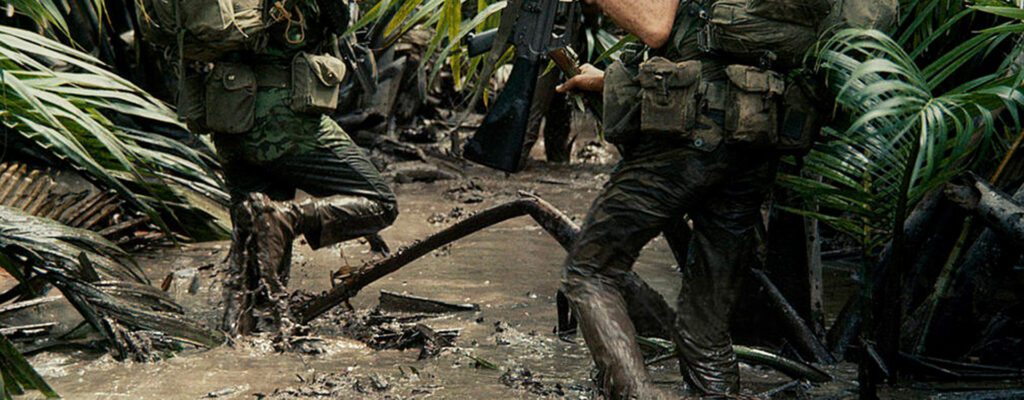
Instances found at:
x=887 y=255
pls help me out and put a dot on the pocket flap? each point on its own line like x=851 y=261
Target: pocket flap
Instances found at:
x=329 y=70
x=659 y=71
x=753 y=79
x=237 y=77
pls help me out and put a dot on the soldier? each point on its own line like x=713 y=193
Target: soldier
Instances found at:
x=288 y=144
x=692 y=143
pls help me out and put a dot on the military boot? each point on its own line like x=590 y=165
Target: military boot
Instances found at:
x=240 y=283
x=275 y=224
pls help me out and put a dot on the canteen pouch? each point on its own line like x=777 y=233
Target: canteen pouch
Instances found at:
x=752 y=105
x=621 y=110
x=230 y=98
x=670 y=97
x=316 y=80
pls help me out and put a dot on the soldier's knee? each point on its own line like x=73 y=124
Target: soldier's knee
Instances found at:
x=390 y=211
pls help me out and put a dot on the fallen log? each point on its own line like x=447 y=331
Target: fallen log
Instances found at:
x=848 y=326
x=948 y=307
x=391 y=301
x=553 y=221
x=999 y=211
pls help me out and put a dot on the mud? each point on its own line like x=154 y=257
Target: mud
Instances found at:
x=504 y=350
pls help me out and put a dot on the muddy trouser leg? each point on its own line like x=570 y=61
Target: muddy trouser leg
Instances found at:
x=243 y=280
x=642 y=198
x=648 y=309
x=724 y=247
x=348 y=200
x=348 y=197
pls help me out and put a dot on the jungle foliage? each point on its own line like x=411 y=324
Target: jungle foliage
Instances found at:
x=65 y=107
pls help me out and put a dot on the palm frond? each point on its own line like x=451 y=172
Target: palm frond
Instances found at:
x=43 y=12
x=17 y=375
x=899 y=126
x=67 y=114
x=102 y=283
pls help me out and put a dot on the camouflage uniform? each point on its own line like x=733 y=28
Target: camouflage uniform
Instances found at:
x=287 y=151
x=659 y=181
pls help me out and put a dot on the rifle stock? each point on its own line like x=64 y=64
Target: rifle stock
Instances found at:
x=499 y=141
x=537 y=28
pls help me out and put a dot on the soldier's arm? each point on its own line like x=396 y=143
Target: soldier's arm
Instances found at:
x=590 y=79
x=649 y=20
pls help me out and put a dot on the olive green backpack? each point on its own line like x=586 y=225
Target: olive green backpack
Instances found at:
x=204 y=30
x=778 y=33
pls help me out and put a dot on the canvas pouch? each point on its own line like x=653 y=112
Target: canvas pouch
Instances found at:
x=316 y=81
x=190 y=103
x=230 y=98
x=621 y=106
x=670 y=97
x=801 y=121
x=752 y=105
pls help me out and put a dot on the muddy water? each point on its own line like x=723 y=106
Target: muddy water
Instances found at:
x=511 y=270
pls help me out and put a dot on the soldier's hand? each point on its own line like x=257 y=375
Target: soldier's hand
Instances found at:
x=590 y=79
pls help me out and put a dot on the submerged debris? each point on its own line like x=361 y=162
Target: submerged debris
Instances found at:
x=521 y=378
x=391 y=301
x=467 y=193
x=382 y=331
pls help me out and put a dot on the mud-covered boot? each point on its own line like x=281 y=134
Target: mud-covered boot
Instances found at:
x=240 y=282
x=274 y=227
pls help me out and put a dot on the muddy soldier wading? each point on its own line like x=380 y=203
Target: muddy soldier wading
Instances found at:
x=701 y=115
x=259 y=75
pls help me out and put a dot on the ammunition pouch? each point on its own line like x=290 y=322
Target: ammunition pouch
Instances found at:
x=316 y=82
x=230 y=98
x=657 y=98
x=752 y=105
x=670 y=97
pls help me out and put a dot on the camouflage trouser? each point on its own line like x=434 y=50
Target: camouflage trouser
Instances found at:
x=285 y=152
x=264 y=168
x=649 y=193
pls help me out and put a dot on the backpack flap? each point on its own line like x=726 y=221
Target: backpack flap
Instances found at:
x=733 y=31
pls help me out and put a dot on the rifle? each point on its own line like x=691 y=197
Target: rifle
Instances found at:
x=539 y=28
